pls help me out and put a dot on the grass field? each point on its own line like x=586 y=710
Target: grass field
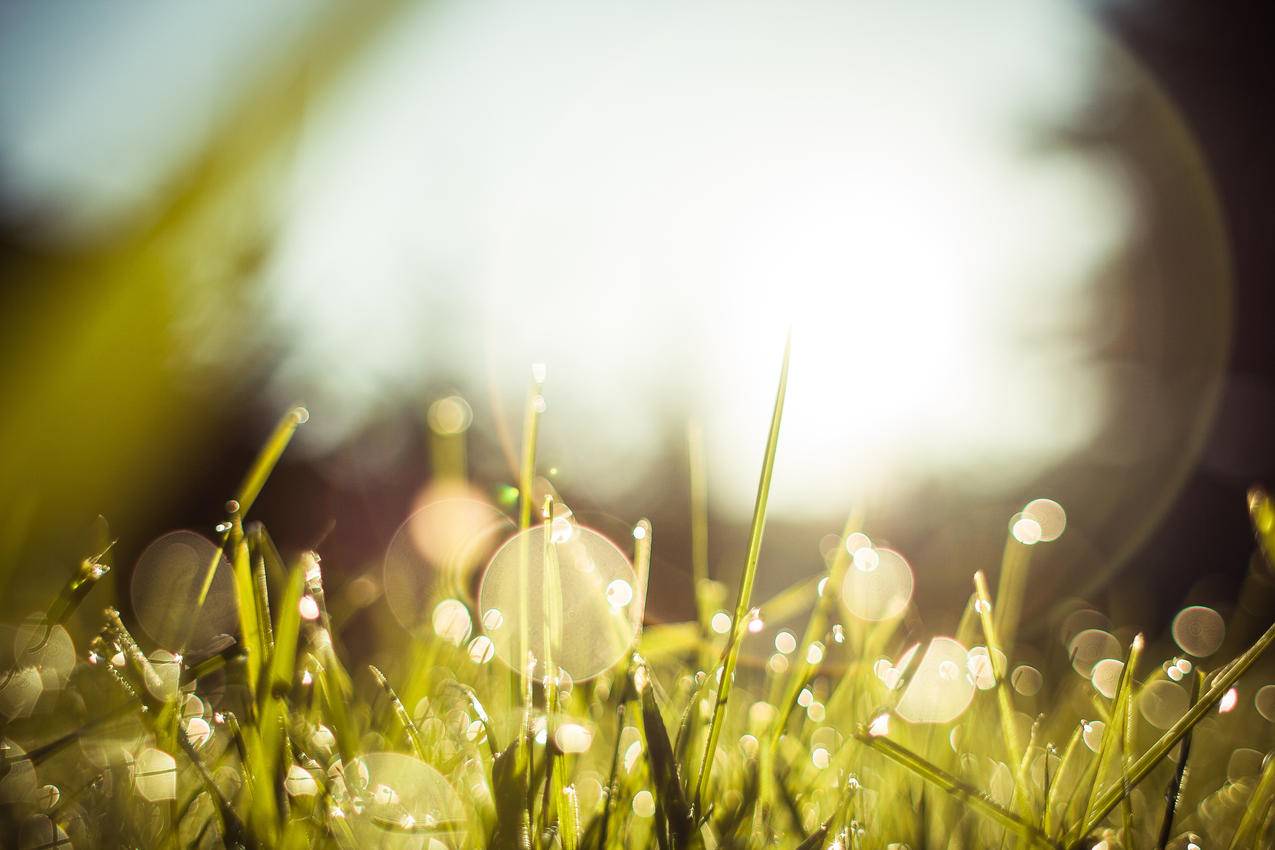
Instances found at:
x=537 y=711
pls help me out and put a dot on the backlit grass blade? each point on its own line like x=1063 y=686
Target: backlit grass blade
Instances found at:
x=1111 y=797
x=1015 y=565
x=1255 y=811
x=983 y=606
x=1114 y=733
x=400 y=713
x=955 y=788
x=246 y=603
x=730 y=655
x=1262 y=513
x=664 y=770
x=268 y=457
x=816 y=839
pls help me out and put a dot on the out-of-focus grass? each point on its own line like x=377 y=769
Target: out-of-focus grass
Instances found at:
x=265 y=739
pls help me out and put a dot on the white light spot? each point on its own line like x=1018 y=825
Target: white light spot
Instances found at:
x=619 y=593
x=643 y=804
x=309 y=608
x=785 y=641
x=1026 y=530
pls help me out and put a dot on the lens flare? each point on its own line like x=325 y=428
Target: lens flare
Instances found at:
x=939 y=691
x=568 y=603
x=1199 y=630
x=167 y=582
x=882 y=592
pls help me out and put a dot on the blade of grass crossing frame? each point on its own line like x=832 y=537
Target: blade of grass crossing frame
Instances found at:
x=731 y=653
x=251 y=486
x=1143 y=765
x=1255 y=811
x=270 y=453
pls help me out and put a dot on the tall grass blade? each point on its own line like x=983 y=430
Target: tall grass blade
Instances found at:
x=1114 y=734
x=730 y=655
x=1138 y=771
x=1014 y=751
x=268 y=457
x=955 y=788
x=664 y=770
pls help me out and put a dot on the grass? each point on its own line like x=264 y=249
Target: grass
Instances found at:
x=271 y=740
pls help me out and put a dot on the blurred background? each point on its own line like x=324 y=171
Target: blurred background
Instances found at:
x=1024 y=251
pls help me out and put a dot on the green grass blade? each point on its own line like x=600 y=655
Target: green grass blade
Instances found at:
x=266 y=459
x=1005 y=710
x=664 y=770
x=731 y=653
x=1255 y=812
x=1113 y=735
x=1143 y=765
x=400 y=713
x=955 y=788
x=246 y=603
